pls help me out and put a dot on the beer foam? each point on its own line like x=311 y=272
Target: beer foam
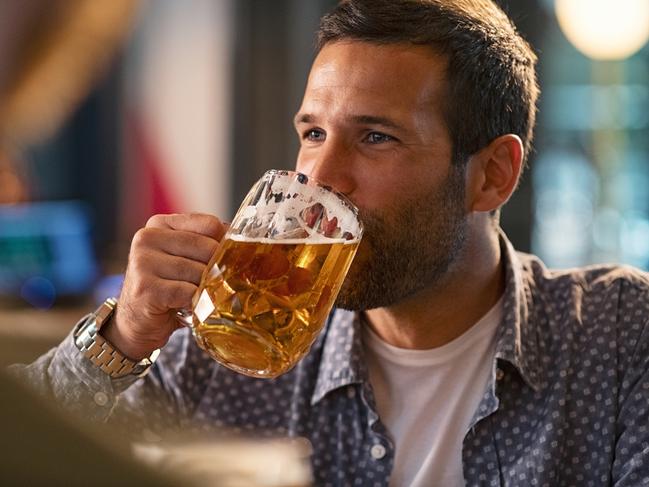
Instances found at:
x=311 y=240
x=279 y=209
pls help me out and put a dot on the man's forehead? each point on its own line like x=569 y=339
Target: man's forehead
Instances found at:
x=366 y=55
x=385 y=75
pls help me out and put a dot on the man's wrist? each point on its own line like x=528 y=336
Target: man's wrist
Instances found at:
x=112 y=334
x=105 y=354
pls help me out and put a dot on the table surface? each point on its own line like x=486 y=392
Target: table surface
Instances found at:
x=25 y=333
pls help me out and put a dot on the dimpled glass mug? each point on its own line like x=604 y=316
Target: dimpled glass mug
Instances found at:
x=272 y=282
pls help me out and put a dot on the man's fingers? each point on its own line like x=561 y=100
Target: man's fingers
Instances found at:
x=175 y=242
x=173 y=268
x=166 y=262
x=148 y=296
x=201 y=223
x=176 y=294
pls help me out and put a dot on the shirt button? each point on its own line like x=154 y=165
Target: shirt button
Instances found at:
x=500 y=374
x=377 y=451
x=101 y=399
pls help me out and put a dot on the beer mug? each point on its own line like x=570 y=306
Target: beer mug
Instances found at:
x=270 y=285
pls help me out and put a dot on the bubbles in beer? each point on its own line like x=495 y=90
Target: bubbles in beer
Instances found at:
x=270 y=285
x=262 y=302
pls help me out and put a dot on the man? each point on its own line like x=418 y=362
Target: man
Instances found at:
x=461 y=361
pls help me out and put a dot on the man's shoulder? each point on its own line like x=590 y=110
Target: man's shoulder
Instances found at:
x=591 y=279
x=581 y=314
x=584 y=300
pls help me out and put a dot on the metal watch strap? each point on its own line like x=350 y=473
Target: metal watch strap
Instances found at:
x=101 y=353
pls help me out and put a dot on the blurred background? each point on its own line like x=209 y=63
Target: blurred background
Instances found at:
x=114 y=110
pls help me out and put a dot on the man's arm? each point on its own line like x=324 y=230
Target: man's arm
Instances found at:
x=166 y=261
x=158 y=402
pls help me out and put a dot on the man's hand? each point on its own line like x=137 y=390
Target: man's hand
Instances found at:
x=165 y=265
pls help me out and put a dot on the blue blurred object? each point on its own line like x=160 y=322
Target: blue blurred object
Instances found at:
x=39 y=292
x=46 y=251
x=108 y=287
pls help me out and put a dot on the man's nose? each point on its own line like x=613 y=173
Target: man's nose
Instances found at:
x=332 y=164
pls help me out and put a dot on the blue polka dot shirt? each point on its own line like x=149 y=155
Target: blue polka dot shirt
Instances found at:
x=567 y=403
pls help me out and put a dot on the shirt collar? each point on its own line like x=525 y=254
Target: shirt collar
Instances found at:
x=342 y=356
x=517 y=340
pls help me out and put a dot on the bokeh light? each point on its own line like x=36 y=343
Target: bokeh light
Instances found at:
x=605 y=29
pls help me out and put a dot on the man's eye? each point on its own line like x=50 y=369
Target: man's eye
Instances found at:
x=378 y=138
x=315 y=135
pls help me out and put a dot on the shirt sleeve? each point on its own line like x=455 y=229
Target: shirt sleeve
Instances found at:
x=631 y=464
x=162 y=401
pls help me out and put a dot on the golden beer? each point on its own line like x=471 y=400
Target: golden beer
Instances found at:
x=272 y=281
x=262 y=303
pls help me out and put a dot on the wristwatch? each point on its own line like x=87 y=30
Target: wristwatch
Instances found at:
x=101 y=353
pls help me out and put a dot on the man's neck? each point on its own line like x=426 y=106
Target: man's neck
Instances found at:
x=435 y=316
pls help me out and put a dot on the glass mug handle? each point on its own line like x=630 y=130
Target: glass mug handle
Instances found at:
x=184 y=317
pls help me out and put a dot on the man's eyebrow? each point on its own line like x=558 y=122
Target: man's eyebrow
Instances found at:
x=375 y=120
x=357 y=119
x=303 y=118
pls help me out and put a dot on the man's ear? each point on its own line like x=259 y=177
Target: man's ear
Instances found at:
x=493 y=173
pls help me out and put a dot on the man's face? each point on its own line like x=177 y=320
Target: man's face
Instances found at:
x=371 y=126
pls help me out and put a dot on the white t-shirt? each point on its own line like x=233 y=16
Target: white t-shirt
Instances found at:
x=427 y=398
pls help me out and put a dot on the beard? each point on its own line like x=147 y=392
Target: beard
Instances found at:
x=407 y=249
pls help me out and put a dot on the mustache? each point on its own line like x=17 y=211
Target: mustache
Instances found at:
x=370 y=219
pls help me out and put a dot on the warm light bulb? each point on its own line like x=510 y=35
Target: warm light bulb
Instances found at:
x=605 y=29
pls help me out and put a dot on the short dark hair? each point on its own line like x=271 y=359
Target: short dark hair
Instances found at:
x=491 y=78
